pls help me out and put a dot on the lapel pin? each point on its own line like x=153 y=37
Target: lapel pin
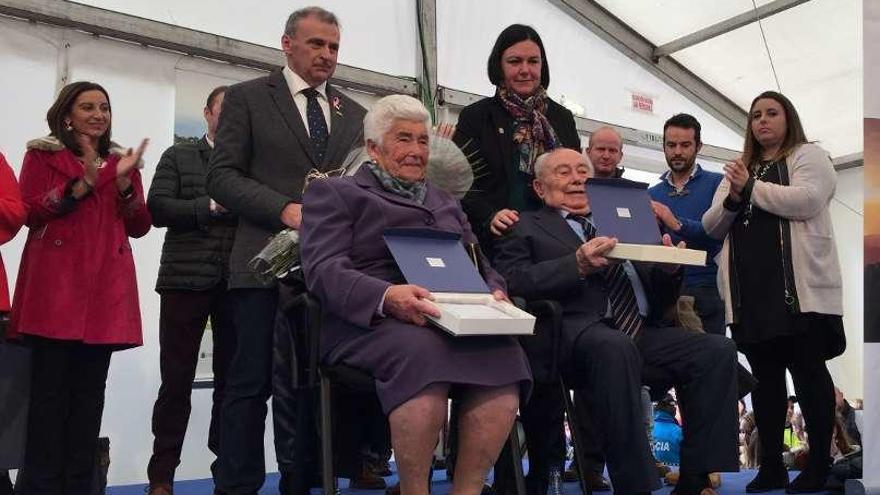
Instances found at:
x=500 y=130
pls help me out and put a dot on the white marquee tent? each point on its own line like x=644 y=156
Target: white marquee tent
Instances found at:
x=159 y=58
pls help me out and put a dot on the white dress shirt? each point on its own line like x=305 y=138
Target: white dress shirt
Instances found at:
x=296 y=85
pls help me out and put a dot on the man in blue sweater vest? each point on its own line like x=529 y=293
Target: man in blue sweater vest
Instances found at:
x=684 y=193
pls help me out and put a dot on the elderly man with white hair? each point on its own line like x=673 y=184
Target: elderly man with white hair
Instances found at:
x=615 y=318
x=376 y=322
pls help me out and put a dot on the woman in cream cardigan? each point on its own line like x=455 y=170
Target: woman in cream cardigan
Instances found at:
x=780 y=280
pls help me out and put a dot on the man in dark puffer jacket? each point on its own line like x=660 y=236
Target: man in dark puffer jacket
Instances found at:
x=192 y=285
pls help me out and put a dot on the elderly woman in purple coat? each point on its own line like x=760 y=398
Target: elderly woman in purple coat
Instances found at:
x=375 y=321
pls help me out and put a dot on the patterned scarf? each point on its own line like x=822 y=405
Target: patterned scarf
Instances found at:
x=415 y=191
x=533 y=133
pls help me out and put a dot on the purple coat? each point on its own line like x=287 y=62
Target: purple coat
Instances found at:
x=348 y=268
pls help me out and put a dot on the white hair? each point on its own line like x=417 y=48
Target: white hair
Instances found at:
x=541 y=161
x=384 y=112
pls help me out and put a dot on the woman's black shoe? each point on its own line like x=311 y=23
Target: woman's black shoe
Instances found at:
x=767 y=480
x=809 y=481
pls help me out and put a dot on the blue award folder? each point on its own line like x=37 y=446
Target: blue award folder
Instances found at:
x=621 y=208
x=437 y=261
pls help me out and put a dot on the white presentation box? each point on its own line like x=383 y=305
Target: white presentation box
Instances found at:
x=480 y=314
x=658 y=254
x=437 y=261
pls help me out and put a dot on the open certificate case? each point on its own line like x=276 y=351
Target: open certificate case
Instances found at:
x=437 y=261
x=622 y=208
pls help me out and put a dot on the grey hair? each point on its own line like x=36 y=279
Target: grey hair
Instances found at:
x=384 y=112
x=323 y=15
x=541 y=161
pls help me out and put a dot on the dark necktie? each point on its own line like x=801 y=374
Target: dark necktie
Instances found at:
x=317 y=124
x=621 y=296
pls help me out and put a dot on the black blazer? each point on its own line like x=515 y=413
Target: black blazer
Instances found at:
x=262 y=155
x=537 y=258
x=483 y=133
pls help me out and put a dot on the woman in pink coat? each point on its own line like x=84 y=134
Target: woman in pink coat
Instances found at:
x=12 y=214
x=76 y=295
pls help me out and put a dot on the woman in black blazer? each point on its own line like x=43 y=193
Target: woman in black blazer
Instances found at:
x=504 y=134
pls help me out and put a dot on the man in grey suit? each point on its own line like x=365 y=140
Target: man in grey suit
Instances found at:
x=273 y=131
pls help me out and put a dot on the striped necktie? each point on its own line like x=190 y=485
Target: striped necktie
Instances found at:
x=621 y=296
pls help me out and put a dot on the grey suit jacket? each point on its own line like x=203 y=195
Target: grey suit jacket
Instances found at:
x=262 y=155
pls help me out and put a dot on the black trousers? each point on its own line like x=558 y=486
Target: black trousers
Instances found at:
x=183 y=315
x=802 y=355
x=704 y=368
x=67 y=402
x=607 y=368
x=240 y=467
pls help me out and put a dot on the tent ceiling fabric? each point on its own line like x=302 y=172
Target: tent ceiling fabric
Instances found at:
x=816 y=49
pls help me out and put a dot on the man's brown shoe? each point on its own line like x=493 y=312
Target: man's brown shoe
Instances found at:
x=662 y=469
x=160 y=489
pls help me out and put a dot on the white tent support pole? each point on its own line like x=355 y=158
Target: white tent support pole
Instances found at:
x=133 y=29
x=427 y=66
x=725 y=26
x=619 y=35
x=637 y=137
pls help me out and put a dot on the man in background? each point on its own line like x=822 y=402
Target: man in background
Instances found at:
x=605 y=151
x=681 y=197
x=192 y=286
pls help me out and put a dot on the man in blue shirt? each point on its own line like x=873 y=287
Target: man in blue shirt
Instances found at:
x=684 y=193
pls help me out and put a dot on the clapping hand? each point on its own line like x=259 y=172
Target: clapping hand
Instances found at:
x=131 y=159
x=737 y=175
x=128 y=162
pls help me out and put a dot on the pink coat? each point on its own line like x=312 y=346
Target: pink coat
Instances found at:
x=77 y=278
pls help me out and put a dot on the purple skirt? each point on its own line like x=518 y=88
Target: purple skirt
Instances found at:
x=405 y=358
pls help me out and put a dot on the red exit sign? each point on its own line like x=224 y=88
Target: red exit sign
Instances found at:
x=642 y=103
